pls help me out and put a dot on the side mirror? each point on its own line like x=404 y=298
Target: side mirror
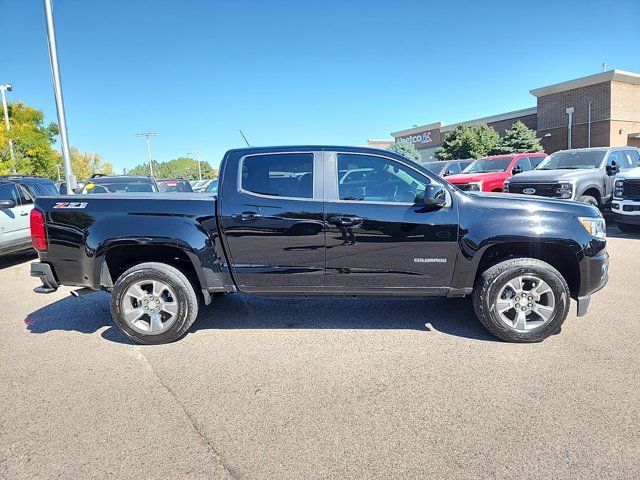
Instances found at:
x=434 y=196
x=612 y=169
x=516 y=170
x=7 y=204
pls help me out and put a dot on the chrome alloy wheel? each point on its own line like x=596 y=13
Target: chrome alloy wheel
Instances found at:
x=149 y=306
x=525 y=303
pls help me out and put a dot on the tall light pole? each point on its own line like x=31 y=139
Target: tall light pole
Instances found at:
x=148 y=135
x=197 y=152
x=57 y=90
x=7 y=88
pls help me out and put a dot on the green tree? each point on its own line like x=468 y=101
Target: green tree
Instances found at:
x=86 y=164
x=182 y=167
x=518 y=139
x=468 y=142
x=32 y=142
x=406 y=149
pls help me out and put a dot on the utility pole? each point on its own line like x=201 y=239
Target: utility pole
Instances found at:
x=7 y=88
x=57 y=90
x=148 y=135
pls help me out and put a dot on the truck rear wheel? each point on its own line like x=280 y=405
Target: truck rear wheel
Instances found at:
x=522 y=300
x=153 y=303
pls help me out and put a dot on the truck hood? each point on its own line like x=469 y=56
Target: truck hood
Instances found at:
x=528 y=204
x=549 y=176
x=476 y=177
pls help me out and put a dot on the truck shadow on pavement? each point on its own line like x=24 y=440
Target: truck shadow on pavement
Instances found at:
x=90 y=313
x=17 y=258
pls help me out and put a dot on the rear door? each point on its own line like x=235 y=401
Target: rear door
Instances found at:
x=272 y=220
x=379 y=236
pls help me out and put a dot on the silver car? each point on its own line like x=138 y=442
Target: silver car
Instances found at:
x=15 y=207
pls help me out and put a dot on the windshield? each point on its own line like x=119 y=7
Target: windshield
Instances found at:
x=120 y=187
x=572 y=160
x=488 y=165
x=435 y=167
x=175 y=186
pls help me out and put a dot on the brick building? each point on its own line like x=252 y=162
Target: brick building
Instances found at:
x=598 y=110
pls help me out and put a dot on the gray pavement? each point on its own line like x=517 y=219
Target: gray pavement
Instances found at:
x=321 y=388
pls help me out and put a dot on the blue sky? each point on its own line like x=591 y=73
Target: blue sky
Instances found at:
x=297 y=72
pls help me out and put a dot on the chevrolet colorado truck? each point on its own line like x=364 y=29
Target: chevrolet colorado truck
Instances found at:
x=319 y=220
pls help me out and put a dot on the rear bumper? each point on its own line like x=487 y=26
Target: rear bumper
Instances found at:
x=45 y=273
x=594 y=275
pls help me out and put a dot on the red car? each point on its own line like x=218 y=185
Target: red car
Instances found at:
x=489 y=173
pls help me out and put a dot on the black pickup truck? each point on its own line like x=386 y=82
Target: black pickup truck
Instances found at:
x=320 y=220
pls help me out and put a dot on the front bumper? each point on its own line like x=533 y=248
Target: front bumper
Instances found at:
x=626 y=218
x=594 y=275
x=45 y=273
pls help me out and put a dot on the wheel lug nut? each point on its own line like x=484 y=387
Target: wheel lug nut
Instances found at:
x=530 y=305
x=523 y=309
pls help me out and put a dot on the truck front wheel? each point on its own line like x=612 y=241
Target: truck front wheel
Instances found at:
x=153 y=303
x=522 y=300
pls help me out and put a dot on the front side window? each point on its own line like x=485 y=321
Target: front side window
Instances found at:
x=615 y=158
x=453 y=169
x=279 y=174
x=535 y=161
x=9 y=192
x=377 y=179
x=26 y=195
x=633 y=158
x=524 y=164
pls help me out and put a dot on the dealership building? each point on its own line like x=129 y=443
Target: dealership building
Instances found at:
x=599 y=111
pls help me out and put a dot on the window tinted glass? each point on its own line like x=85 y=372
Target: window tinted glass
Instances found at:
x=377 y=179
x=615 y=158
x=633 y=157
x=47 y=188
x=175 y=186
x=489 y=165
x=133 y=187
x=26 y=197
x=280 y=174
x=31 y=188
x=452 y=169
x=535 y=161
x=9 y=192
x=524 y=164
x=572 y=160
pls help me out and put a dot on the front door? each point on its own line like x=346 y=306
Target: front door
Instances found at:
x=273 y=221
x=379 y=236
x=15 y=231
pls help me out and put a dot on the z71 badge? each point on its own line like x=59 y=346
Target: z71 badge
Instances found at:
x=70 y=205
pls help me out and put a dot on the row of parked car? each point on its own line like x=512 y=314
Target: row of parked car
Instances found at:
x=17 y=193
x=606 y=177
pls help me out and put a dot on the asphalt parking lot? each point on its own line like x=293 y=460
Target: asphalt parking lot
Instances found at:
x=321 y=388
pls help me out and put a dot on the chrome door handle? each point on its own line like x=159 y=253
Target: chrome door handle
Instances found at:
x=246 y=216
x=24 y=214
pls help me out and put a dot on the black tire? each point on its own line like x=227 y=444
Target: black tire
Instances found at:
x=491 y=282
x=186 y=300
x=588 y=199
x=628 y=228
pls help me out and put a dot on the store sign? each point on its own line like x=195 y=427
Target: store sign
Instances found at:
x=424 y=137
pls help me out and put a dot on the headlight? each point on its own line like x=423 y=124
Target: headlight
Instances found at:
x=474 y=187
x=595 y=226
x=565 y=190
x=618 y=188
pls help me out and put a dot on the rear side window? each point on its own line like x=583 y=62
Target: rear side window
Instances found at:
x=452 y=169
x=279 y=174
x=26 y=197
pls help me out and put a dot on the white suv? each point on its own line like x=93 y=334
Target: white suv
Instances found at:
x=626 y=200
x=15 y=207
